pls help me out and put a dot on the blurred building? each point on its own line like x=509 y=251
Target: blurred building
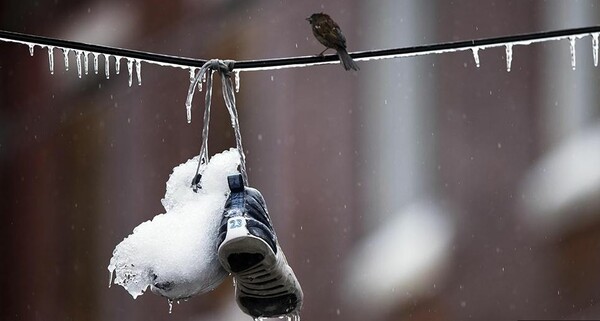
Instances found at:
x=420 y=188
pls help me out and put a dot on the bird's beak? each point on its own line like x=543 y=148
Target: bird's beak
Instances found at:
x=308 y=19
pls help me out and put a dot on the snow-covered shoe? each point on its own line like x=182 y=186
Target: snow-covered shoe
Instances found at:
x=265 y=284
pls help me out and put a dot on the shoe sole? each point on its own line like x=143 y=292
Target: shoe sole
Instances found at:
x=261 y=285
x=265 y=284
x=243 y=252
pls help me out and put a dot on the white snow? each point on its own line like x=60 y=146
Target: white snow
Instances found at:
x=176 y=253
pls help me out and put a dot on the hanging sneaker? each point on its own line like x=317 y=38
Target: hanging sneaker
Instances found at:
x=265 y=284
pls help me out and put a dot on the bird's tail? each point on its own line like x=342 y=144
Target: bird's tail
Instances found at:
x=347 y=61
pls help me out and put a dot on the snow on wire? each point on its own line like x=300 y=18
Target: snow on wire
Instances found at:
x=135 y=58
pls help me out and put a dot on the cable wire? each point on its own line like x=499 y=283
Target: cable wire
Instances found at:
x=305 y=61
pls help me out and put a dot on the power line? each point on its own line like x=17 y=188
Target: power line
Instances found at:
x=113 y=51
x=304 y=61
x=523 y=39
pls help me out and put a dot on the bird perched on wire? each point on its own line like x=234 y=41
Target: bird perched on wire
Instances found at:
x=329 y=34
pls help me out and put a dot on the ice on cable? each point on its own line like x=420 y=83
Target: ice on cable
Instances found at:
x=86 y=62
x=51 y=59
x=595 y=48
x=107 y=66
x=572 y=50
x=476 y=56
x=509 y=50
x=176 y=253
x=117 y=65
x=66 y=58
x=78 y=55
x=130 y=70
x=138 y=71
x=95 y=54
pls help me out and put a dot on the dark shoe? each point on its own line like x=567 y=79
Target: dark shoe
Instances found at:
x=265 y=284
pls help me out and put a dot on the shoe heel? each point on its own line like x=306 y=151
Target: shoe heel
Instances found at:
x=241 y=251
x=265 y=284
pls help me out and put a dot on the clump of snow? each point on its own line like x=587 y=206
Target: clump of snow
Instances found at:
x=176 y=253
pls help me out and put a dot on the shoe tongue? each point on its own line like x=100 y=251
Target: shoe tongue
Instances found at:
x=236 y=183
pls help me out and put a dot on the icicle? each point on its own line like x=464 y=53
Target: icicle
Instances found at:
x=237 y=81
x=110 y=278
x=117 y=64
x=190 y=95
x=78 y=56
x=86 y=62
x=66 y=55
x=170 y=305
x=31 y=47
x=107 y=66
x=192 y=74
x=130 y=70
x=51 y=59
x=476 y=56
x=595 y=48
x=203 y=80
x=188 y=112
x=95 y=62
x=508 y=56
x=572 y=49
x=138 y=71
x=188 y=102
